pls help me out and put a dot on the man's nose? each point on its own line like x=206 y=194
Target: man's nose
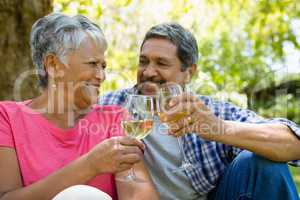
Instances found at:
x=150 y=71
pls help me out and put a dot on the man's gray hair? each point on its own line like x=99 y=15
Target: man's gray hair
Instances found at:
x=60 y=34
x=187 y=48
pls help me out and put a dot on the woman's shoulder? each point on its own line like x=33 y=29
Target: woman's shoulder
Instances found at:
x=10 y=106
x=12 y=109
x=14 y=104
x=8 y=103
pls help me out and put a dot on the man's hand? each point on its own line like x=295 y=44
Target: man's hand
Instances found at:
x=197 y=118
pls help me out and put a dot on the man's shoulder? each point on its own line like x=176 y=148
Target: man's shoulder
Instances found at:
x=211 y=102
x=224 y=109
x=214 y=102
x=114 y=97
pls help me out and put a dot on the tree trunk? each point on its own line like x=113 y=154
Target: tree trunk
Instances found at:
x=17 y=79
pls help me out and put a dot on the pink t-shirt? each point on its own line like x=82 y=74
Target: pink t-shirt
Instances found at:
x=43 y=148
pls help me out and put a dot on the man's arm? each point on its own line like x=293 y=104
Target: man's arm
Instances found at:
x=273 y=140
x=133 y=190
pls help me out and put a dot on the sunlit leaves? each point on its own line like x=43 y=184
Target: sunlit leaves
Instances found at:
x=180 y=8
x=91 y=8
x=121 y=3
x=239 y=41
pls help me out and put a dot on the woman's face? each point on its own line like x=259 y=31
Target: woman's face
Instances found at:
x=84 y=73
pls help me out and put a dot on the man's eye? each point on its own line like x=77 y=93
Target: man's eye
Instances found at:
x=163 y=64
x=142 y=62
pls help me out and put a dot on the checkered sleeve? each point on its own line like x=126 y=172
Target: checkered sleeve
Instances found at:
x=244 y=115
x=113 y=98
x=228 y=111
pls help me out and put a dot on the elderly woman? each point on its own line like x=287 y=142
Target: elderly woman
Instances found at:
x=58 y=142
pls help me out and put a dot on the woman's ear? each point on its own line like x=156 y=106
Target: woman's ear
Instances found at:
x=52 y=66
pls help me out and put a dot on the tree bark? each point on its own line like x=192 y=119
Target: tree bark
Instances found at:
x=17 y=78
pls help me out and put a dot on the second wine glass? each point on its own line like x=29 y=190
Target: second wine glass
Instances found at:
x=166 y=93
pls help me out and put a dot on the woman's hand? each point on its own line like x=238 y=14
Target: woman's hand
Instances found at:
x=197 y=118
x=115 y=155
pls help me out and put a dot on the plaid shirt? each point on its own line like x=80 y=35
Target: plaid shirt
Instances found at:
x=211 y=158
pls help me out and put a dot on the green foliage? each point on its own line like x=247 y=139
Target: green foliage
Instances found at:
x=282 y=106
x=239 y=42
x=296 y=176
x=89 y=8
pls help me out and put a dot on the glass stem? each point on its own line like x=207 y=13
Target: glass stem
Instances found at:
x=131 y=174
x=181 y=150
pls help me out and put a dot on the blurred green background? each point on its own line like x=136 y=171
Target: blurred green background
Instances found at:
x=296 y=176
x=249 y=50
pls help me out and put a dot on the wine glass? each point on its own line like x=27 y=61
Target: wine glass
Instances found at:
x=137 y=122
x=166 y=93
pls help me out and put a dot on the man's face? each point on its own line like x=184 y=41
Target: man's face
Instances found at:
x=159 y=64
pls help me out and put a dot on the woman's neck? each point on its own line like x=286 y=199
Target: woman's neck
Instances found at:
x=58 y=109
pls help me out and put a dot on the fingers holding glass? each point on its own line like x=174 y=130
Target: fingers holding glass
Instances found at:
x=137 y=122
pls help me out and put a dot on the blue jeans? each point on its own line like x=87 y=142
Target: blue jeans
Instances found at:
x=251 y=177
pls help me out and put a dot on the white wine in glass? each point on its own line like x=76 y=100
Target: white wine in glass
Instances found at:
x=137 y=122
x=138 y=129
x=166 y=93
x=175 y=117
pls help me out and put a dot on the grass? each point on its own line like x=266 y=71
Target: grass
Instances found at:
x=296 y=176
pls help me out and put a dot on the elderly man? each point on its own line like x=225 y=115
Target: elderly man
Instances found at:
x=235 y=153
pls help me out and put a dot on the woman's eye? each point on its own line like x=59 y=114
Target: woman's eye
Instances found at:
x=93 y=63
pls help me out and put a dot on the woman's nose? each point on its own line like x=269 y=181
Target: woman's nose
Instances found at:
x=100 y=74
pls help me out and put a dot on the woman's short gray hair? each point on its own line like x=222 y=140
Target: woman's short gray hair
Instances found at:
x=60 y=34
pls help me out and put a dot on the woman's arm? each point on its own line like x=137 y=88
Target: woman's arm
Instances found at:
x=11 y=183
x=106 y=157
x=135 y=190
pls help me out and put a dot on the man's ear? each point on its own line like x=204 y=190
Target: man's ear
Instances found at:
x=191 y=71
